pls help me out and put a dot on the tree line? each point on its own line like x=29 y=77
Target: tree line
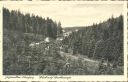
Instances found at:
x=30 y=23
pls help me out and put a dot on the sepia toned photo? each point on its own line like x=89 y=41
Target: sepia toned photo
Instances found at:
x=63 y=39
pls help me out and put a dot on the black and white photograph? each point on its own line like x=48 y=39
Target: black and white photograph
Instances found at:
x=63 y=39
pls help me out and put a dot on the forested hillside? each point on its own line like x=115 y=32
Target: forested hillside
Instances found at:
x=29 y=23
x=103 y=40
x=21 y=30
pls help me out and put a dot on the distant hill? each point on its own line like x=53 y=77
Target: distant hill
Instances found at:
x=72 y=28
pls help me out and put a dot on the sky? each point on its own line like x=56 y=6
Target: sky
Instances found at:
x=71 y=15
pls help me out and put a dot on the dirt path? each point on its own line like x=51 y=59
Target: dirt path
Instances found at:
x=68 y=55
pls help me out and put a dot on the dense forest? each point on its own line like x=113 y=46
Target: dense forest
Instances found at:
x=92 y=50
x=103 y=40
x=29 y=23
